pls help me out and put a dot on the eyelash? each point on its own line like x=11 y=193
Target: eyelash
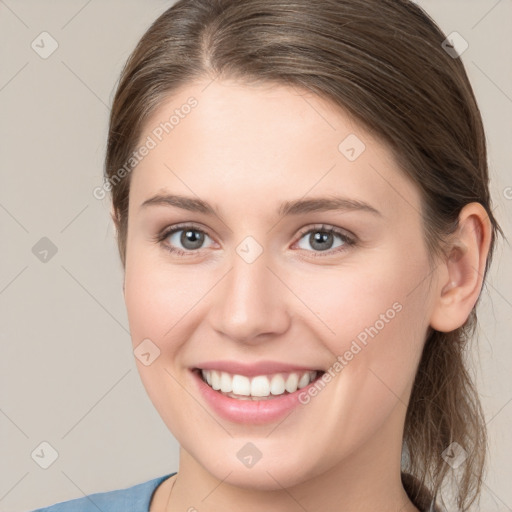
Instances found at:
x=347 y=240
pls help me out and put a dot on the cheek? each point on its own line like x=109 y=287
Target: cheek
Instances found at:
x=380 y=297
x=156 y=297
x=378 y=330
x=157 y=302
x=373 y=319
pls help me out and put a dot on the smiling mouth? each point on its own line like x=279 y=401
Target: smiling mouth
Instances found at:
x=259 y=387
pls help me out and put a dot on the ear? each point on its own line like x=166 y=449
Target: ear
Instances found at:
x=461 y=273
x=115 y=222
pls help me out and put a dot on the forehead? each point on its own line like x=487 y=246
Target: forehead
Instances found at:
x=232 y=142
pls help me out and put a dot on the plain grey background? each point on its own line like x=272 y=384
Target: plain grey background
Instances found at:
x=68 y=374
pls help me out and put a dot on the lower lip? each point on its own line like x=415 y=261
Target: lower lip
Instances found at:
x=249 y=411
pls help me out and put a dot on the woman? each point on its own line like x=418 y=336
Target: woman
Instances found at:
x=243 y=137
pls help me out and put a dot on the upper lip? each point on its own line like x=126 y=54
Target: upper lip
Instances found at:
x=252 y=369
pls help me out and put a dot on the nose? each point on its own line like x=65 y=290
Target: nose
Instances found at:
x=251 y=302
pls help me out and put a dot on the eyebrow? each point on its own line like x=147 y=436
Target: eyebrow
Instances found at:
x=296 y=207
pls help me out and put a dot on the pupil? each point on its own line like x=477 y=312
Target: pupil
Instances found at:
x=192 y=237
x=321 y=238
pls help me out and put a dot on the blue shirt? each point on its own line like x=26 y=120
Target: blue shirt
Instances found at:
x=132 y=499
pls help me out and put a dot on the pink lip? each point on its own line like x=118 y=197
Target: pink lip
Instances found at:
x=253 y=369
x=249 y=412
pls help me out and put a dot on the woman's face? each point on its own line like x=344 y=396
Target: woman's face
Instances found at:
x=262 y=290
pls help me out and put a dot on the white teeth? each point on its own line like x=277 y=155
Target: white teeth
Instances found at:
x=291 y=382
x=215 y=376
x=225 y=383
x=277 y=385
x=259 y=386
x=241 y=384
x=303 y=381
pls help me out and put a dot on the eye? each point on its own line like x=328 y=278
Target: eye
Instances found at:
x=190 y=237
x=322 y=239
x=185 y=240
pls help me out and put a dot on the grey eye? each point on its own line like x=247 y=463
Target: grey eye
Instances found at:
x=322 y=240
x=190 y=238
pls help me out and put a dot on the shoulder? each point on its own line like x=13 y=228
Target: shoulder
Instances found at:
x=130 y=499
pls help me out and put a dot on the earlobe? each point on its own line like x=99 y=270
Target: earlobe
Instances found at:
x=462 y=270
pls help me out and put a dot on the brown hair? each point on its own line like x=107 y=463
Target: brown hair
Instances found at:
x=383 y=62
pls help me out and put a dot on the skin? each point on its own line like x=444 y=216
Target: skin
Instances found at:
x=245 y=149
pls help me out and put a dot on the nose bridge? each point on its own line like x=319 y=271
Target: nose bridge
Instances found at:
x=252 y=300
